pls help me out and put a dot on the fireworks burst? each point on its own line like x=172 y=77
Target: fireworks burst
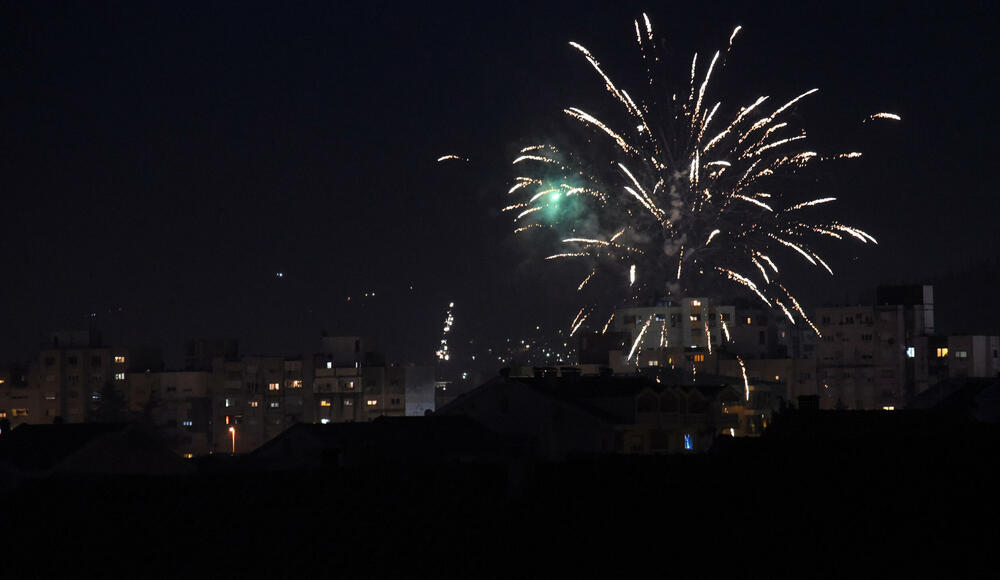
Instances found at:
x=449 y=320
x=672 y=200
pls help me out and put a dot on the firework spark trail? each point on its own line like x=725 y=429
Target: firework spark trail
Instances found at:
x=725 y=330
x=638 y=339
x=455 y=157
x=890 y=116
x=746 y=383
x=669 y=190
x=608 y=323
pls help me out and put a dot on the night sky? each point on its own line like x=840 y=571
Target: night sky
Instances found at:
x=161 y=164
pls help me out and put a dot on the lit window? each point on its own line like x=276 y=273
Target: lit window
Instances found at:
x=699 y=358
x=275 y=404
x=911 y=352
x=324 y=403
x=2 y=381
x=254 y=403
x=329 y=364
x=372 y=402
x=889 y=408
x=119 y=359
x=229 y=402
x=749 y=320
x=119 y=376
x=777 y=377
x=961 y=354
x=296 y=384
x=227 y=419
x=654 y=363
x=348 y=402
x=188 y=455
x=3 y=414
x=50 y=396
x=696 y=303
x=273 y=386
x=188 y=423
x=942 y=352
x=324 y=420
x=350 y=384
x=688 y=441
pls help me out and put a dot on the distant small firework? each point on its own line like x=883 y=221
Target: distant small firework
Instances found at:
x=451 y=157
x=673 y=202
x=442 y=353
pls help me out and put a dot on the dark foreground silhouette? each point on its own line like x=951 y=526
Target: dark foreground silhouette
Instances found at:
x=819 y=495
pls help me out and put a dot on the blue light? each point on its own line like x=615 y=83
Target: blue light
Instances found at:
x=688 y=442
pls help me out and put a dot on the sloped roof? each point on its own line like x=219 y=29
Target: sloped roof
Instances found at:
x=979 y=397
x=440 y=433
x=40 y=447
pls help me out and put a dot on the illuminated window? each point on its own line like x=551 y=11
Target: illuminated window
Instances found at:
x=273 y=386
x=189 y=456
x=324 y=403
x=961 y=354
x=942 y=352
x=275 y=404
x=229 y=402
x=254 y=403
x=50 y=396
x=19 y=412
x=119 y=376
x=3 y=415
x=688 y=441
x=654 y=363
x=329 y=364
x=889 y=408
x=296 y=384
x=699 y=358
x=749 y=320
x=350 y=384
x=911 y=352
x=2 y=381
x=696 y=303
x=188 y=423
x=777 y=377
x=372 y=402
x=324 y=420
x=348 y=402
x=227 y=419
x=120 y=359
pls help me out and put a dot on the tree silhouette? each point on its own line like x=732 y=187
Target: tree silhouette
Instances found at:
x=111 y=405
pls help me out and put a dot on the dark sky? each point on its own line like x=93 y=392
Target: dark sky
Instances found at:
x=161 y=162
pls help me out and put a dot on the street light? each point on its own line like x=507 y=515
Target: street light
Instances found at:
x=232 y=431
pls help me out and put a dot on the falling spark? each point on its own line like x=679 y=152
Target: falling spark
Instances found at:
x=725 y=330
x=447 y=157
